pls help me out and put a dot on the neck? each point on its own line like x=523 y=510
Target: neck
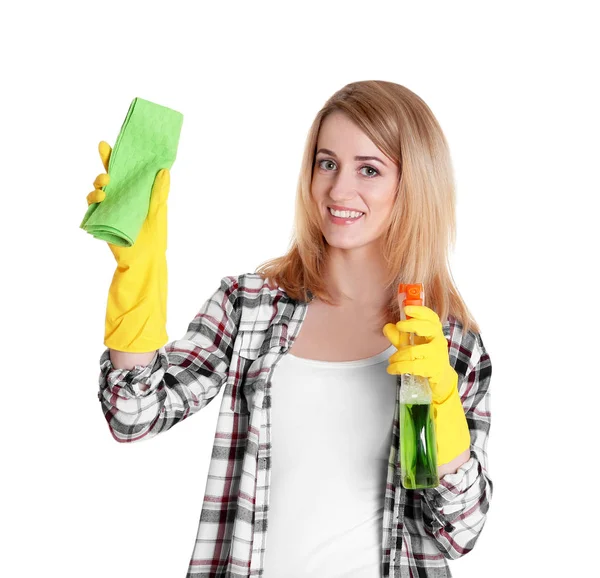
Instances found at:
x=356 y=278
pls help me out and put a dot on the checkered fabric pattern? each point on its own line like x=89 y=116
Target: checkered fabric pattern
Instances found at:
x=233 y=345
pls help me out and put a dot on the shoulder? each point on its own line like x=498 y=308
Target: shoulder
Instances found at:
x=251 y=287
x=257 y=303
x=251 y=295
x=465 y=347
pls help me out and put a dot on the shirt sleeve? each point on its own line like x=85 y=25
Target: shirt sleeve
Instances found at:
x=454 y=513
x=184 y=376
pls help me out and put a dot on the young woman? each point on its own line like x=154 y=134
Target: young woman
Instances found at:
x=304 y=478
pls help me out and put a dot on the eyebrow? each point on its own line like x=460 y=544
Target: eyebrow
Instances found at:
x=358 y=158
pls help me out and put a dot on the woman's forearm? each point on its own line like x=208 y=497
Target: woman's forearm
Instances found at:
x=124 y=360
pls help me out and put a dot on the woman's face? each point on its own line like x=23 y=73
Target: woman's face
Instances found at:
x=344 y=182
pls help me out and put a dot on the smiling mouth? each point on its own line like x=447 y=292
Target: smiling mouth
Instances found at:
x=344 y=217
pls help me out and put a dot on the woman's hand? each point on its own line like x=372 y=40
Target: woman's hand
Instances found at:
x=428 y=357
x=136 y=308
x=151 y=241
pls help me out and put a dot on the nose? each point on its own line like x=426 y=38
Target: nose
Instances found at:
x=343 y=186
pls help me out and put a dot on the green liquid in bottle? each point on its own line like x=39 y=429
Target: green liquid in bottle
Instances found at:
x=418 y=454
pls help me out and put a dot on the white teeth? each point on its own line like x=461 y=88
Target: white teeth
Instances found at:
x=345 y=214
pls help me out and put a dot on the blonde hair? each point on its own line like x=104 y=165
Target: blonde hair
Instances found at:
x=422 y=226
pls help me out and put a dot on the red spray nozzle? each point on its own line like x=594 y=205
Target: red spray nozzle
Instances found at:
x=410 y=294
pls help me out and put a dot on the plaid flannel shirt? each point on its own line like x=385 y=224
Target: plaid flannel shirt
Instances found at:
x=235 y=341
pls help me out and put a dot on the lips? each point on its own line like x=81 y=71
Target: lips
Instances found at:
x=344 y=220
x=351 y=217
x=340 y=208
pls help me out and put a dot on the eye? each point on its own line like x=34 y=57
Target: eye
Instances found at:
x=372 y=169
x=370 y=176
x=325 y=161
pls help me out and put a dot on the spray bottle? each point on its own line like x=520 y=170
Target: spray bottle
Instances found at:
x=418 y=454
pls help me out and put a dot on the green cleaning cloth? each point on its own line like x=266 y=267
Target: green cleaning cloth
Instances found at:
x=146 y=144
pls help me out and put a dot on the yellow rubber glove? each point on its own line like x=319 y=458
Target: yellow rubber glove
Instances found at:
x=136 y=309
x=429 y=358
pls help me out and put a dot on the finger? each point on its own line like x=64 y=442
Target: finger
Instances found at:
x=422 y=312
x=420 y=367
x=393 y=335
x=420 y=327
x=411 y=353
x=105 y=152
x=96 y=196
x=101 y=180
x=396 y=338
x=160 y=189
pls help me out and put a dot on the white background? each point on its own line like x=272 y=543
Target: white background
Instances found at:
x=513 y=85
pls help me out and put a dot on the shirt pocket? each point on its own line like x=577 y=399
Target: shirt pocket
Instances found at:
x=259 y=335
x=243 y=370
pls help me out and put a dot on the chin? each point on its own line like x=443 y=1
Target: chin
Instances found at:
x=346 y=244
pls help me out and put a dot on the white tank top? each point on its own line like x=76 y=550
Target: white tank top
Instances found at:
x=331 y=437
